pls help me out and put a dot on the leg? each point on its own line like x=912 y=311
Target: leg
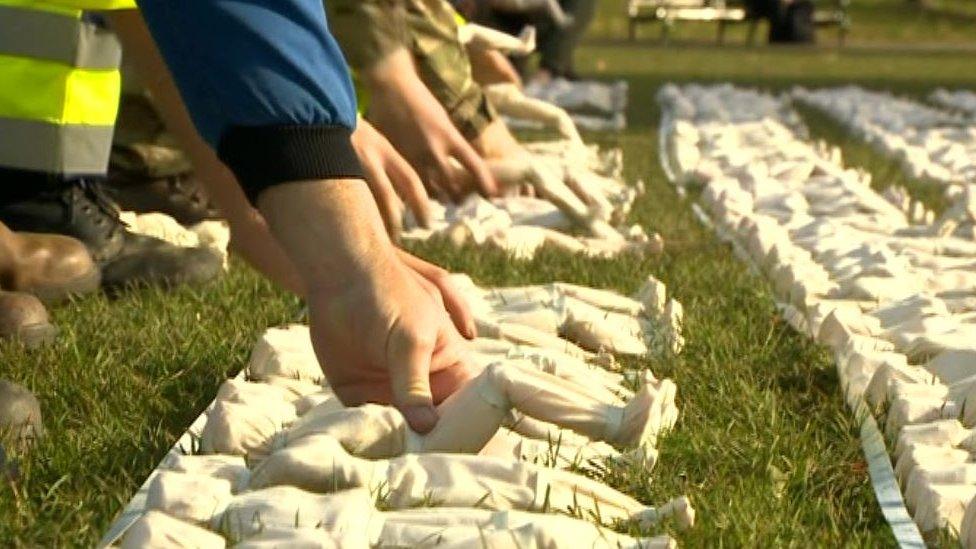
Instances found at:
x=506 y=386
x=288 y=508
x=474 y=35
x=148 y=172
x=546 y=530
x=510 y=100
x=605 y=386
x=70 y=65
x=548 y=453
x=580 y=496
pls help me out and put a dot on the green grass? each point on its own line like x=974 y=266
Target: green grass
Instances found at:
x=124 y=380
x=764 y=445
x=885 y=171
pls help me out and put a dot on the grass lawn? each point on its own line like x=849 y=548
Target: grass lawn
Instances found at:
x=764 y=446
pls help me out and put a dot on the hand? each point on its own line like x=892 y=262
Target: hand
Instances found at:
x=379 y=327
x=416 y=124
x=388 y=339
x=390 y=179
x=454 y=301
x=496 y=142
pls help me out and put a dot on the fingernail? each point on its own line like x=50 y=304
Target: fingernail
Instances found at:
x=421 y=418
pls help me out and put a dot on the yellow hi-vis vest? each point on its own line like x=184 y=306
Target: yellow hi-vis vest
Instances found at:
x=59 y=86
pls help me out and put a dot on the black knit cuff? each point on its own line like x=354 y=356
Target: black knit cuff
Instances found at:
x=265 y=156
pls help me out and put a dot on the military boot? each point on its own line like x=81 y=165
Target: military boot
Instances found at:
x=178 y=196
x=50 y=266
x=24 y=318
x=80 y=208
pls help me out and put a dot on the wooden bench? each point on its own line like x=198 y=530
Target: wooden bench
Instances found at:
x=668 y=12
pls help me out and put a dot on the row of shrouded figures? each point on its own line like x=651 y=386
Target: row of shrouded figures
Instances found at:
x=933 y=143
x=281 y=462
x=890 y=294
x=570 y=197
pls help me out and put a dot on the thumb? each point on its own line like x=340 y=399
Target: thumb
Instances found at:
x=408 y=359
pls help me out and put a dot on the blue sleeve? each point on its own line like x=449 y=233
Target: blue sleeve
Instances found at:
x=265 y=83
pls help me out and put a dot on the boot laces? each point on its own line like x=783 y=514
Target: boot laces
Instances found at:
x=94 y=203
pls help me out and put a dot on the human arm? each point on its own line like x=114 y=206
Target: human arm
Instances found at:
x=375 y=38
x=327 y=225
x=411 y=118
x=251 y=235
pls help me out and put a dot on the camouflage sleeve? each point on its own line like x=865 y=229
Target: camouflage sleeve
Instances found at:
x=368 y=30
x=445 y=67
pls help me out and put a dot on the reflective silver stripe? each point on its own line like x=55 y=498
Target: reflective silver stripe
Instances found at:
x=54 y=37
x=69 y=149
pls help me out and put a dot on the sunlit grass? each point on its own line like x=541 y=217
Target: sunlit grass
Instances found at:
x=764 y=446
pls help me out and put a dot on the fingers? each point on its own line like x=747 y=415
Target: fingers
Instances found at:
x=384 y=195
x=410 y=188
x=476 y=167
x=409 y=351
x=445 y=178
x=454 y=301
x=457 y=308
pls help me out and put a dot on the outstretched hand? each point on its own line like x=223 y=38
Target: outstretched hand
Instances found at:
x=384 y=324
x=411 y=118
x=391 y=179
x=391 y=340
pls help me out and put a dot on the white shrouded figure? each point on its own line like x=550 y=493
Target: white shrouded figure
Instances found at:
x=210 y=234
x=517 y=392
x=594 y=319
x=303 y=538
x=192 y=497
x=509 y=99
x=481 y=37
x=232 y=469
x=924 y=476
x=320 y=464
x=565 y=450
x=157 y=529
x=240 y=429
x=342 y=513
x=285 y=352
x=470 y=417
x=587 y=210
